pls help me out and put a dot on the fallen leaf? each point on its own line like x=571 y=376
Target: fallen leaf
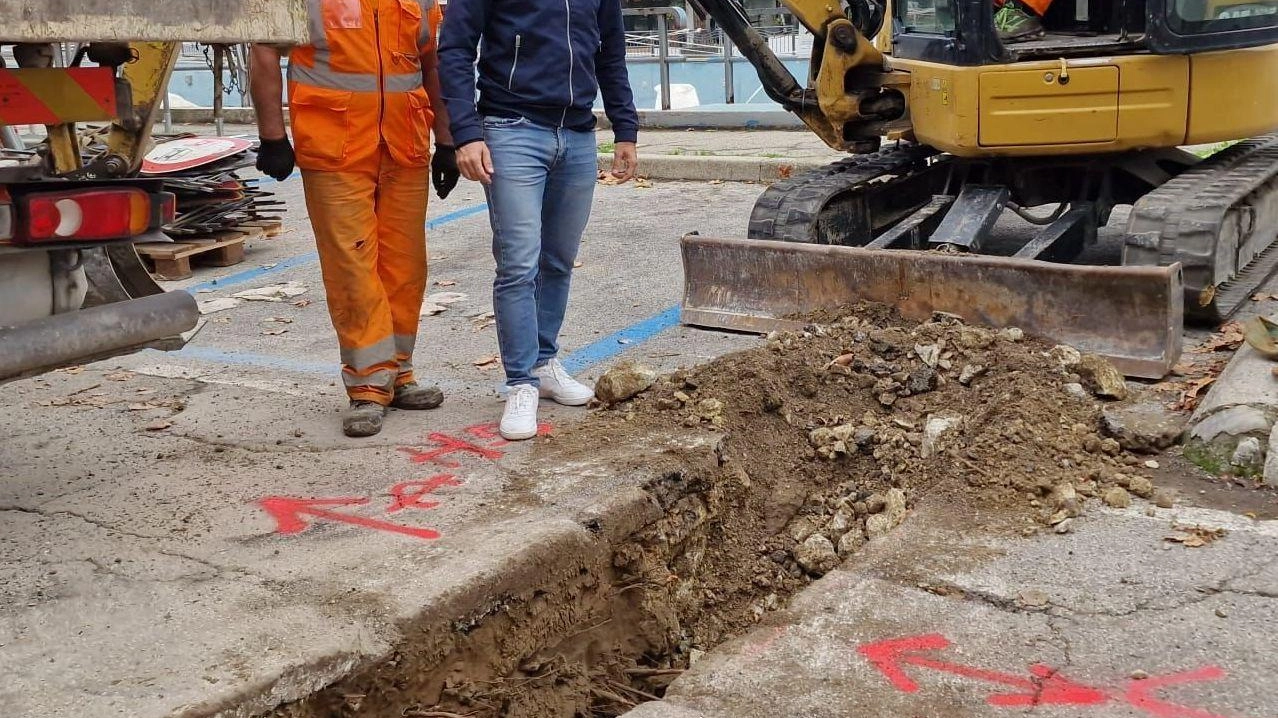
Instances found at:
x=120 y=376
x=488 y=362
x=438 y=303
x=483 y=321
x=841 y=360
x=445 y=283
x=302 y=303
x=578 y=265
x=269 y=266
x=272 y=292
x=221 y=304
x=1264 y=297
x=716 y=181
x=275 y=332
x=221 y=320
x=70 y=370
x=1194 y=536
x=279 y=320
x=1191 y=393
x=1229 y=338
x=785 y=171
x=606 y=179
x=159 y=425
x=643 y=183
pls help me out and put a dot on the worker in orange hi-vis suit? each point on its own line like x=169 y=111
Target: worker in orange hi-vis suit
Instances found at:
x=363 y=98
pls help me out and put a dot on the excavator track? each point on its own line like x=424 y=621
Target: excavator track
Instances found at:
x=1219 y=220
x=799 y=209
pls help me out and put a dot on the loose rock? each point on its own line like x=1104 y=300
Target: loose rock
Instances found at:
x=970 y=373
x=816 y=555
x=933 y=430
x=1140 y=486
x=850 y=543
x=1117 y=497
x=1164 y=498
x=1145 y=427
x=624 y=381
x=1101 y=377
x=1248 y=455
x=1065 y=498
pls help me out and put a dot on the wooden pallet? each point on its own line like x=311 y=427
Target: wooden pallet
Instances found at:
x=172 y=260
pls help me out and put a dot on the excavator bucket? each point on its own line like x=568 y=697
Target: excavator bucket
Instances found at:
x=1130 y=315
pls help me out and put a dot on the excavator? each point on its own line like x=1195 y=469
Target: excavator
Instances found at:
x=954 y=134
x=72 y=287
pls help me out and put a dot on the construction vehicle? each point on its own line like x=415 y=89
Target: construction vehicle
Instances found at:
x=72 y=288
x=951 y=129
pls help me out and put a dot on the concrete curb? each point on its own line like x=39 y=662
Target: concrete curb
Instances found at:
x=1242 y=406
x=731 y=168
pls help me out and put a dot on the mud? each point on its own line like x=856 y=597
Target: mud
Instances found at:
x=809 y=447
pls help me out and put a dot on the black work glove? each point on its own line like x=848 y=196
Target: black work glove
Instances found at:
x=275 y=158
x=443 y=170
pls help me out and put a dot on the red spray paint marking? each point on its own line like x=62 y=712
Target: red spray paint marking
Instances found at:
x=411 y=494
x=446 y=445
x=289 y=512
x=1046 y=688
x=1138 y=693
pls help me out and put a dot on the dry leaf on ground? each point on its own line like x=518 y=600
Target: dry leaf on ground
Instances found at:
x=1194 y=536
x=120 y=376
x=275 y=332
x=1229 y=338
x=489 y=362
x=445 y=283
x=302 y=303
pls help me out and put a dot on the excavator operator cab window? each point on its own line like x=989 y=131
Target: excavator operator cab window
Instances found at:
x=967 y=32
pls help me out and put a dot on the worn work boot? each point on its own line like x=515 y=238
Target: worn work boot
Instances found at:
x=414 y=396
x=519 y=421
x=558 y=384
x=363 y=418
x=1016 y=24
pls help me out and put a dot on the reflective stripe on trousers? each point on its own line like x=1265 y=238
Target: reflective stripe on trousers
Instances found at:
x=370 y=230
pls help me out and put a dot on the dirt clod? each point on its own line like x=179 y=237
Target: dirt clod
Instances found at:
x=1117 y=497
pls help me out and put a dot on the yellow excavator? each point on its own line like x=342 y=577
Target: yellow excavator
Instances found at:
x=952 y=129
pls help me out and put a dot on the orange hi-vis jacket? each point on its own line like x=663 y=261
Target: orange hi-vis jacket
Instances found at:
x=358 y=85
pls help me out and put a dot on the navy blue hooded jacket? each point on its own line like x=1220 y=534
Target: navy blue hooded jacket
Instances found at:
x=544 y=60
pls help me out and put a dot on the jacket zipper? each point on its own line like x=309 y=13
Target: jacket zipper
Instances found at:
x=510 y=84
x=381 y=75
x=571 y=61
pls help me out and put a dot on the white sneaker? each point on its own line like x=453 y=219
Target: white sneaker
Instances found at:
x=558 y=384
x=519 y=421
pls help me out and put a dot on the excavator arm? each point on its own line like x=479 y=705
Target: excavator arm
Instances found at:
x=852 y=98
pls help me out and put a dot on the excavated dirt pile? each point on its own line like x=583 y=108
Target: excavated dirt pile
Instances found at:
x=776 y=464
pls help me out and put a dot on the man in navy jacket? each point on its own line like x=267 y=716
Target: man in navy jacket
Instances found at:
x=529 y=137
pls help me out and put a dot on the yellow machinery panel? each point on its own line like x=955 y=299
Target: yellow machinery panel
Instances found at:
x=1029 y=107
x=1107 y=105
x=1234 y=94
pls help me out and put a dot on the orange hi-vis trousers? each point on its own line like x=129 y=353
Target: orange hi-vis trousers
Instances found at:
x=370 y=229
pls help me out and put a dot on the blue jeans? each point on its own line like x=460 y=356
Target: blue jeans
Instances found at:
x=538 y=205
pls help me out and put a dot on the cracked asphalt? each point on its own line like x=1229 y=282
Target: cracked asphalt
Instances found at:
x=951 y=616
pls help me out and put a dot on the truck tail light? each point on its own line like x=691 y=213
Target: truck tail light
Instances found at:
x=99 y=214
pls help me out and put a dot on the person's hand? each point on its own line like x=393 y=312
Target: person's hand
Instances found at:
x=443 y=170
x=625 y=161
x=275 y=158
x=476 y=162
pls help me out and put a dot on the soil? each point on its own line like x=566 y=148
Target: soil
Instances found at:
x=818 y=442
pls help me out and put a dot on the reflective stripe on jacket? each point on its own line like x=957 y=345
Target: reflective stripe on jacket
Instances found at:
x=359 y=83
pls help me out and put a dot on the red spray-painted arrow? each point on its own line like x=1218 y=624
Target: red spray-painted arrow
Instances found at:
x=1046 y=687
x=289 y=512
x=1139 y=693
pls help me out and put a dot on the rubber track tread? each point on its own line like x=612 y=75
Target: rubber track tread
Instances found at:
x=1190 y=213
x=789 y=210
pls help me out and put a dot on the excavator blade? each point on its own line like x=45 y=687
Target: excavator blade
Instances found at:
x=1130 y=315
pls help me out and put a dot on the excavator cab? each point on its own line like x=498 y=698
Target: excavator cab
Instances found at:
x=985 y=173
